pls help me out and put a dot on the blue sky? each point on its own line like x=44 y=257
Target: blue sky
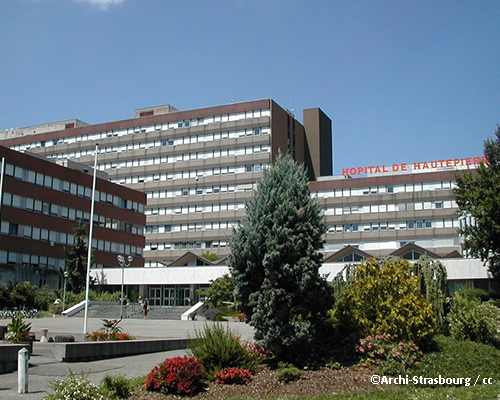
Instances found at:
x=402 y=81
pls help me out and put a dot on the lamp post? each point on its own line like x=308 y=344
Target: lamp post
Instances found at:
x=123 y=264
x=65 y=274
x=89 y=254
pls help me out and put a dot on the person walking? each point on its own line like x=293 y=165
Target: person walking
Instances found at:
x=145 y=308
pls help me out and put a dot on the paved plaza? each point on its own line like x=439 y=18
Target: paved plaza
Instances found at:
x=44 y=369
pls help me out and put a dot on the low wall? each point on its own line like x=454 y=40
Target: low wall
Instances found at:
x=86 y=351
x=9 y=356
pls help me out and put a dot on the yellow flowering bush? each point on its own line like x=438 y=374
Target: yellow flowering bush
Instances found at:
x=383 y=298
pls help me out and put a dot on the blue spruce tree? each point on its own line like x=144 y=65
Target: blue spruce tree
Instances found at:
x=275 y=263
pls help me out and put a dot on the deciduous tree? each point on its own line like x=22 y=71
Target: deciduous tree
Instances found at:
x=478 y=199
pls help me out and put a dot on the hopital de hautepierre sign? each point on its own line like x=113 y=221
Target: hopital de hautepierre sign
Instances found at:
x=416 y=166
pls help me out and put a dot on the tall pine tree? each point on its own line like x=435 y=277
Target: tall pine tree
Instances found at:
x=478 y=196
x=76 y=260
x=275 y=262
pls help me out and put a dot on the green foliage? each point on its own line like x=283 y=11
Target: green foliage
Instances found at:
x=470 y=319
x=116 y=387
x=221 y=290
x=210 y=256
x=477 y=196
x=76 y=260
x=384 y=298
x=453 y=358
x=43 y=298
x=75 y=388
x=218 y=348
x=288 y=374
x=23 y=294
x=388 y=356
x=433 y=283
x=275 y=261
x=18 y=330
x=4 y=295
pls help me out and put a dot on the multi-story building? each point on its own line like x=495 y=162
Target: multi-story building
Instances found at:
x=42 y=202
x=196 y=167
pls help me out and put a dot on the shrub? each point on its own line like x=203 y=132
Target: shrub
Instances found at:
x=233 y=376
x=470 y=319
x=18 y=330
x=220 y=291
x=102 y=336
x=75 y=388
x=110 y=331
x=116 y=387
x=391 y=357
x=178 y=375
x=289 y=374
x=218 y=348
x=383 y=297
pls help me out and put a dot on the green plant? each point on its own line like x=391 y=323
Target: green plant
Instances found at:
x=116 y=387
x=75 y=388
x=76 y=260
x=289 y=374
x=18 y=330
x=476 y=195
x=178 y=375
x=470 y=319
x=275 y=260
x=384 y=297
x=221 y=290
x=207 y=255
x=218 y=348
x=109 y=331
x=433 y=282
x=389 y=356
x=454 y=358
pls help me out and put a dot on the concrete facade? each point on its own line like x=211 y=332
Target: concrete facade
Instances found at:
x=42 y=202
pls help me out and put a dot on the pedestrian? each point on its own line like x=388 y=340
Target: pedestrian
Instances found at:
x=145 y=308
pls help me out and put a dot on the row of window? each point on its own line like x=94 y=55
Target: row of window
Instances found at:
x=200 y=191
x=391 y=226
x=13 y=200
x=387 y=189
x=394 y=245
x=199 y=208
x=376 y=208
x=195 y=173
x=201 y=155
x=69 y=187
x=182 y=140
x=148 y=128
x=14 y=258
x=208 y=244
x=192 y=227
x=45 y=235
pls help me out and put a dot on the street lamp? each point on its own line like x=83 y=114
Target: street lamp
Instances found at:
x=123 y=264
x=65 y=274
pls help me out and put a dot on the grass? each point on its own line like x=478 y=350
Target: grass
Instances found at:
x=460 y=359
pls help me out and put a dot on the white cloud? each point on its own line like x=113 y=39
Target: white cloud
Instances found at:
x=104 y=4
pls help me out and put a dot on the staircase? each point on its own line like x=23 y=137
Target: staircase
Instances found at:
x=112 y=311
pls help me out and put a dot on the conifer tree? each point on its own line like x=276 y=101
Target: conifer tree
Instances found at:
x=275 y=261
x=76 y=260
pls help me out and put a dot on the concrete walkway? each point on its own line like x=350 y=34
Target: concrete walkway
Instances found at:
x=44 y=369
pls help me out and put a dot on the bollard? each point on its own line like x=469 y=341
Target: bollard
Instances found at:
x=22 y=370
x=44 y=338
